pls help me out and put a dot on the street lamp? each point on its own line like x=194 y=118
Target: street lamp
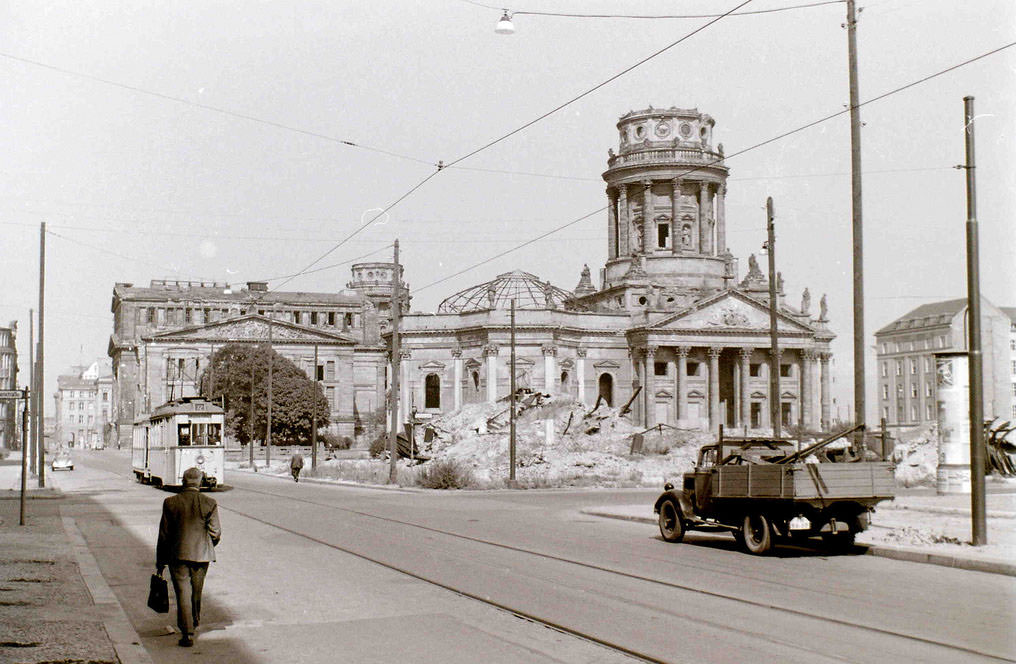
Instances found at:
x=504 y=25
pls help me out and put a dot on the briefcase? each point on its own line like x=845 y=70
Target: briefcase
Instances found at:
x=158 y=594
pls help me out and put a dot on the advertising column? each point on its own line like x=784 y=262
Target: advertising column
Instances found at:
x=953 y=423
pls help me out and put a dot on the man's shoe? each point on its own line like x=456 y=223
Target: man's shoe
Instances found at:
x=185 y=641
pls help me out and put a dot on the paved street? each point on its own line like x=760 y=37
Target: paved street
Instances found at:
x=320 y=573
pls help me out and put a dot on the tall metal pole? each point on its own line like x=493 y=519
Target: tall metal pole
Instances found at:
x=268 y=424
x=855 y=199
x=250 y=414
x=393 y=397
x=775 y=406
x=313 y=425
x=40 y=384
x=511 y=409
x=29 y=443
x=977 y=507
x=25 y=452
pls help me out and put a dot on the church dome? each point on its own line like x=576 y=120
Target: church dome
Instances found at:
x=526 y=289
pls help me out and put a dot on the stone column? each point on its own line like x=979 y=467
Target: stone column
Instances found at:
x=826 y=381
x=648 y=226
x=807 y=390
x=636 y=368
x=714 y=387
x=611 y=223
x=490 y=352
x=705 y=233
x=405 y=392
x=681 y=381
x=580 y=373
x=549 y=369
x=623 y=225
x=721 y=219
x=675 y=208
x=745 y=355
x=457 y=390
x=649 y=392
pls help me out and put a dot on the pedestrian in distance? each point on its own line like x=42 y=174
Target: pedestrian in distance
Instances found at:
x=296 y=465
x=188 y=534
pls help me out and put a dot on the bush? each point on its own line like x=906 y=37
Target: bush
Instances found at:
x=445 y=474
x=379 y=445
x=334 y=442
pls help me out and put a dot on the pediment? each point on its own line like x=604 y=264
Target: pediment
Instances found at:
x=664 y=394
x=523 y=361
x=728 y=311
x=790 y=396
x=473 y=363
x=759 y=395
x=251 y=328
x=433 y=365
x=695 y=394
x=607 y=364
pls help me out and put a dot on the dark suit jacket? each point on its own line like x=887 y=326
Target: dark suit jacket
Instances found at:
x=189 y=529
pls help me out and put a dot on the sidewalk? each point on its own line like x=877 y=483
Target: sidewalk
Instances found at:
x=918 y=526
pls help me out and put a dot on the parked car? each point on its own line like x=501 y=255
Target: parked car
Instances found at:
x=62 y=461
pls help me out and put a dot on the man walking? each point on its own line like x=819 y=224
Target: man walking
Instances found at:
x=296 y=465
x=188 y=533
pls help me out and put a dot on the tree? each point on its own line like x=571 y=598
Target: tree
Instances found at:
x=294 y=396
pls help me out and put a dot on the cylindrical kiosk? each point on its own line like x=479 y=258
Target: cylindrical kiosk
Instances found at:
x=953 y=380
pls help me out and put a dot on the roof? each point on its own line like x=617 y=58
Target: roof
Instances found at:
x=524 y=288
x=186 y=405
x=927 y=315
x=188 y=293
x=75 y=382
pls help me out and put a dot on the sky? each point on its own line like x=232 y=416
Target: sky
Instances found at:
x=210 y=140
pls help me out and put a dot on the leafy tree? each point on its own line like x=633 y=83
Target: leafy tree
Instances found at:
x=229 y=378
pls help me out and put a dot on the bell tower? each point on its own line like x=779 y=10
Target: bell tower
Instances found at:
x=666 y=223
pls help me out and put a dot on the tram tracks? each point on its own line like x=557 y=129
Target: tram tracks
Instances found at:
x=832 y=621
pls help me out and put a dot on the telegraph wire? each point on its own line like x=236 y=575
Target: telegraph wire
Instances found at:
x=334 y=265
x=597 y=86
x=734 y=154
x=106 y=251
x=656 y=16
x=214 y=109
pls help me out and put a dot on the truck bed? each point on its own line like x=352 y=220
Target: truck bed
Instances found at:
x=804 y=481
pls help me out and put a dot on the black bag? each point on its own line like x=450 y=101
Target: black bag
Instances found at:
x=158 y=594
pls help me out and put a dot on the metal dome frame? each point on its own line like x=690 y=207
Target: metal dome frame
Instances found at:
x=528 y=291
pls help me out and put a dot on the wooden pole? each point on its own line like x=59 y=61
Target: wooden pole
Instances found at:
x=40 y=384
x=856 y=206
x=29 y=444
x=393 y=433
x=511 y=410
x=775 y=406
x=268 y=424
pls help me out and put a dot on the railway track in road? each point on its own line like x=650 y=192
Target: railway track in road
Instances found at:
x=959 y=650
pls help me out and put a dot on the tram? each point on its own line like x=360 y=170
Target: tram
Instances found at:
x=178 y=435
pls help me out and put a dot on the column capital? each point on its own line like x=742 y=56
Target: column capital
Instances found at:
x=405 y=354
x=809 y=354
x=490 y=350
x=682 y=351
x=647 y=183
x=721 y=188
x=714 y=352
x=651 y=351
x=612 y=193
x=677 y=181
x=745 y=353
x=549 y=349
x=779 y=352
x=704 y=185
x=824 y=357
x=580 y=352
x=456 y=353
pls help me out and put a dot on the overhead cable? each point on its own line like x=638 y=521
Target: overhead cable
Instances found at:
x=750 y=12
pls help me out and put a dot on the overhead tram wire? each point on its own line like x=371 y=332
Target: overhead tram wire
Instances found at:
x=442 y=166
x=734 y=154
x=214 y=109
x=334 y=265
x=654 y=17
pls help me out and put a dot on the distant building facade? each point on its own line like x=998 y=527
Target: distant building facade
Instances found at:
x=905 y=348
x=9 y=381
x=164 y=335
x=84 y=407
x=670 y=326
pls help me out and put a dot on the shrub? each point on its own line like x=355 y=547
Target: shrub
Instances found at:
x=445 y=474
x=334 y=442
x=379 y=445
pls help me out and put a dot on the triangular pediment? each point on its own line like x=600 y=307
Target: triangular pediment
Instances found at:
x=433 y=365
x=606 y=364
x=729 y=310
x=251 y=328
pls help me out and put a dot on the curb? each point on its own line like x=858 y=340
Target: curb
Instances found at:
x=327 y=482
x=955 y=511
x=125 y=639
x=989 y=565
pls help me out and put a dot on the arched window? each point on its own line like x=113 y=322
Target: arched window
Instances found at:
x=432 y=391
x=476 y=381
x=607 y=388
x=564 y=378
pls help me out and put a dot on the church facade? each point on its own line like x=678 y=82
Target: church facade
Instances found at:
x=670 y=327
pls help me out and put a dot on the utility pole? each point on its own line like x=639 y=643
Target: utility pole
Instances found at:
x=268 y=425
x=775 y=407
x=40 y=386
x=250 y=416
x=393 y=433
x=28 y=444
x=977 y=507
x=25 y=394
x=511 y=410
x=313 y=426
x=858 y=235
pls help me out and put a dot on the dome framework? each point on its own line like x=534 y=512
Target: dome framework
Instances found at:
x=526 y=289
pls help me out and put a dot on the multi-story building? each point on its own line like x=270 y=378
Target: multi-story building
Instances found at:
x=671 y=325
x=905 y=351
x=164 y=335
x=84 y=407
x=8 y=381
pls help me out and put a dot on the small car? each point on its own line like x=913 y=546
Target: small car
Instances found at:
x=62 y=461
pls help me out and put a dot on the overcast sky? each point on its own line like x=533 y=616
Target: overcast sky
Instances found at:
x=135 y=185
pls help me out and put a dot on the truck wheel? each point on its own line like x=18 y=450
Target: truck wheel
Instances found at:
x=671 y=522
x=757 y=533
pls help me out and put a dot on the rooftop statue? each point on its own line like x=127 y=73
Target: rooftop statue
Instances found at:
x=805 y=301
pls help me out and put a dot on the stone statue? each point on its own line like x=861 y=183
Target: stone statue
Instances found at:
x=686 y=236
x=823 y=309
x=805 y=301
x=637 y=236
x=779 y=283
x=491 y=296
x=548 y=294
x=753 y=269
x=610 y=153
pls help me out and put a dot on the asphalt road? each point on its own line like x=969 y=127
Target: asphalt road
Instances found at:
x=323 y=573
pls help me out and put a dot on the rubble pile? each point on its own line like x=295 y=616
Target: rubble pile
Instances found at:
x=559 y=442
x=916 y=457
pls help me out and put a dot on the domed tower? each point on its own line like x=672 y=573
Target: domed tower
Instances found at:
x=666 y=229
x=374 y=281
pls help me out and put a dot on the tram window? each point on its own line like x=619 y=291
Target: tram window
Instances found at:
x=183 y=434
x=200 y=433
x=214 y=433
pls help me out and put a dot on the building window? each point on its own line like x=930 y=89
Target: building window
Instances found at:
x=927 y=389
x=660 y=368
x=785 y=370
x=1014 y=367
x=331 y=319
x=885 y=369
x=913 y=391
x=313 y=318
x=754 y=370
x=930 y=412
x=693 y=368
x=885 y=413
x=330 y=395
x=564 y=378
x=347 y=321
x=899 y=367
x=320 y=373
x=913 y=366
x=81 y=419
x=662 y=236
x=913 y=413
x=330 y=370
x=885 y=392
x=1014 y=389
x=927 y=365
x=606 y=387
x=883 y=348
x=432 y=391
